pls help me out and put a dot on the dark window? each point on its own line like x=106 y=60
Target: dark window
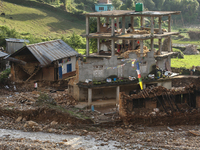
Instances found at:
x=101 y=8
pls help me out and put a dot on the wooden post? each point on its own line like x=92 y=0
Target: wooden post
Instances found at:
x=117 y=94
x=141 y=48
x=160 y=25
x=113 y=27
x=123 y=24
x=152 y=26
x=89 y=96
x=87 y=47
x=113 y=47
x=152 y=44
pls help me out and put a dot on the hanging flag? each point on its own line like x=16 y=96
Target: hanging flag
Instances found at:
x=139 y=75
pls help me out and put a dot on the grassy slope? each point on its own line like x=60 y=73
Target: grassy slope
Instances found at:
x=40 y=21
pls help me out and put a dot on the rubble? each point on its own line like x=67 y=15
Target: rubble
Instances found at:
x=126 y=54
x=191 y=50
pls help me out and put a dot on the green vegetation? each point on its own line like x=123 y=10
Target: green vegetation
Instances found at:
x=44 y=98
x=187 y=62
x=4 y=75
x=40 y=20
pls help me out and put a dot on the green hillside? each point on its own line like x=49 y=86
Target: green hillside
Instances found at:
x=40 y=20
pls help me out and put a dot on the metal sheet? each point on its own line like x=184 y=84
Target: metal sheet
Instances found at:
x=17 y=40
x=2 y=54
x=47 y=52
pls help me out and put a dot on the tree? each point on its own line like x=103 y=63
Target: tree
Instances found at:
x=116 y=3
x=129 y=4
x=75 y=41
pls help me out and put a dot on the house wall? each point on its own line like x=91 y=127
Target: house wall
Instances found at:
x=65 y=63
x=107 y=7
x=98 y=70
x=161 y=63
x=11 y=47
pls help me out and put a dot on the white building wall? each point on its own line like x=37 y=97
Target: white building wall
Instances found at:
x=65 y=63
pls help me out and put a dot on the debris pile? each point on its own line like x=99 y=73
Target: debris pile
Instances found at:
x=137 y=51
x=191 y=50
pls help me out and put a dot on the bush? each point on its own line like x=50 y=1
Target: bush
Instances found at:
x=4 y=75
x=180 y=53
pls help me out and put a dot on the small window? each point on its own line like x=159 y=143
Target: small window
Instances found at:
x=101 y=8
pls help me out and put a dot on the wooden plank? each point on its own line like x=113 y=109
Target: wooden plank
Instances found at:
x=197 y=133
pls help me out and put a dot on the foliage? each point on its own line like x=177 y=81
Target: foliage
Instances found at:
x=4 y=75
x=75 y=41
x=117 y=4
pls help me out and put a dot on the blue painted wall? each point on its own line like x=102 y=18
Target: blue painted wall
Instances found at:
x=106 y=7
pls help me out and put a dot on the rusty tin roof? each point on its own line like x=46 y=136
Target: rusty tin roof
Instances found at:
x=47 y=52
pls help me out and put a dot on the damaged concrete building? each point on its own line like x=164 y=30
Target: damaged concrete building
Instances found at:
x=107 y=73
x=50 y=60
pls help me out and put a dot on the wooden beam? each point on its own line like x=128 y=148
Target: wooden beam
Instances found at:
x=12 y=59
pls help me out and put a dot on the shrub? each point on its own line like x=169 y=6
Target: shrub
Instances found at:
x=4 y=75
x=44 y=98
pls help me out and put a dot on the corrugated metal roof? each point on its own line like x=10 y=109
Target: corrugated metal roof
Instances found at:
x=47 y=52
x=17 y=40
x=2 y=54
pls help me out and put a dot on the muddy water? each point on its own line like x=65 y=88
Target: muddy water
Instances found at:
x=74 y=141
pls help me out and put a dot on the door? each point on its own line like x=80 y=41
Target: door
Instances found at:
x=69 y=68
x=60 y=72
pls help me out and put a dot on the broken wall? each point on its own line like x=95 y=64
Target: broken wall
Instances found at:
x=100 y=69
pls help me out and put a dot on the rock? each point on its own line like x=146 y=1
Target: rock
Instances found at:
x=31 y=124
x=148 y=140
x=19 y=119
x=17 y=148
x=53 y=123
x=105 y=140
x=170 y=129
x=11 y=104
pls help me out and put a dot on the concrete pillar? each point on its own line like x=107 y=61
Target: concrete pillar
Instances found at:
x=98 y=24
x=152 y=44
x=142 y=21
x=133 y=45
x=113 y=26
x=107 y=20
x=169 y=23
x=169 y=38
x=98 y=45
x=89 y=96
x=87 y=25
x=160 y=45
x=160 y=25
x=141 y=48
x=87 y=47
x=113 y=47
x=152 y=26
x=123 y=24
x=132 y=22
x=117 y=94
x=117 y=22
